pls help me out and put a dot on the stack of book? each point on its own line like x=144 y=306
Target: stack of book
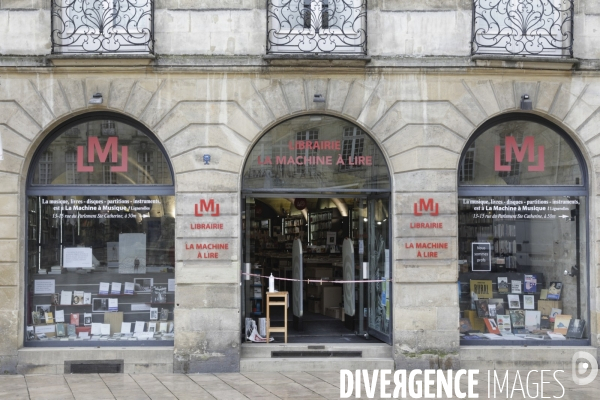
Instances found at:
x=55 y=269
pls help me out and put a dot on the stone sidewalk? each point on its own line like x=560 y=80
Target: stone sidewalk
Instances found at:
x=231 y=386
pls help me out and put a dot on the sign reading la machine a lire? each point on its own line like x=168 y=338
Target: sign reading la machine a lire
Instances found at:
x=481 y=256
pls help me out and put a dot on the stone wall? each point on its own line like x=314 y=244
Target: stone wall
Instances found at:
x=421 y=121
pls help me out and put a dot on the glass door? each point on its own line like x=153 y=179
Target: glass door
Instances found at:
x=379 y=294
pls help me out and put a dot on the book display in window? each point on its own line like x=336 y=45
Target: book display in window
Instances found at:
x=537 y=229
x=517 y=316
x=76 y=283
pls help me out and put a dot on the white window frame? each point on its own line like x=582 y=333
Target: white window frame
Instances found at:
x=145 y=167
x=71 y=174
x=108 y=177
x=45 y=168
x=354 y=137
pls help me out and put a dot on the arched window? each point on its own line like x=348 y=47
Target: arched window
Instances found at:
x=522 y=212
x=100 y=238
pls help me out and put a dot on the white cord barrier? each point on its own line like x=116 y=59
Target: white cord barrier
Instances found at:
x=321 y=281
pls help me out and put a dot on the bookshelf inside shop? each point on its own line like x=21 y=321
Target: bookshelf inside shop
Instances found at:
x=322 y=222
x=321 y=232
x=293 y=227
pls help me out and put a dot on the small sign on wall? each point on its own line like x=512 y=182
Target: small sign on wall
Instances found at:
x=481 y=257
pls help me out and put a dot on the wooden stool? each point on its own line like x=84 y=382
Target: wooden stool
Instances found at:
x=270 y=302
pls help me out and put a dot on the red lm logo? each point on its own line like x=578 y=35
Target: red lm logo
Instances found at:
x=207 y=207
x=429 y=205
x=510 y=146
x=95 y=147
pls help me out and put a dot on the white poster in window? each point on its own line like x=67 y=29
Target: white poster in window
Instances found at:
x=45 y=328
x=77 y=257
x=171 y=285
x=44 y=286
x=132 y=253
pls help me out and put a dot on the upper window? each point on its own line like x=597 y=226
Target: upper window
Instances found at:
x=102 y=26
x=523 y=27
x=524 y=152
x=316 y=152
x=94 y=155
x=317 y=26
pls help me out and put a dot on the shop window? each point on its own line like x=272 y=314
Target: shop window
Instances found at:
x=522 y=218
x=100 y=242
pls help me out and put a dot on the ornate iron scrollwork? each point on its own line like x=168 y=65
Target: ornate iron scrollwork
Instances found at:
x=102 y=26
x=523 y=27
x=317 y=26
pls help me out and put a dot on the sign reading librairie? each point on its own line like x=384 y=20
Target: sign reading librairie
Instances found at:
x=481 y=256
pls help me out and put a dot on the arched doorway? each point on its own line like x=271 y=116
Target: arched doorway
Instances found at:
x=316 y=207
x=100 y=237
x=523 y=235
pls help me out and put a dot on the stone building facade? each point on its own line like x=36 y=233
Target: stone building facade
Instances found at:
x=209 y=86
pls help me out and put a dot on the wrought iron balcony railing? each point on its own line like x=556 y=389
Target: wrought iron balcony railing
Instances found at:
x=317 y=26
x=523 y=27
x=102 y=26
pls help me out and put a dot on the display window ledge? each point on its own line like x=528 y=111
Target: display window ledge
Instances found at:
x=98 y=343
x=526 y=343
